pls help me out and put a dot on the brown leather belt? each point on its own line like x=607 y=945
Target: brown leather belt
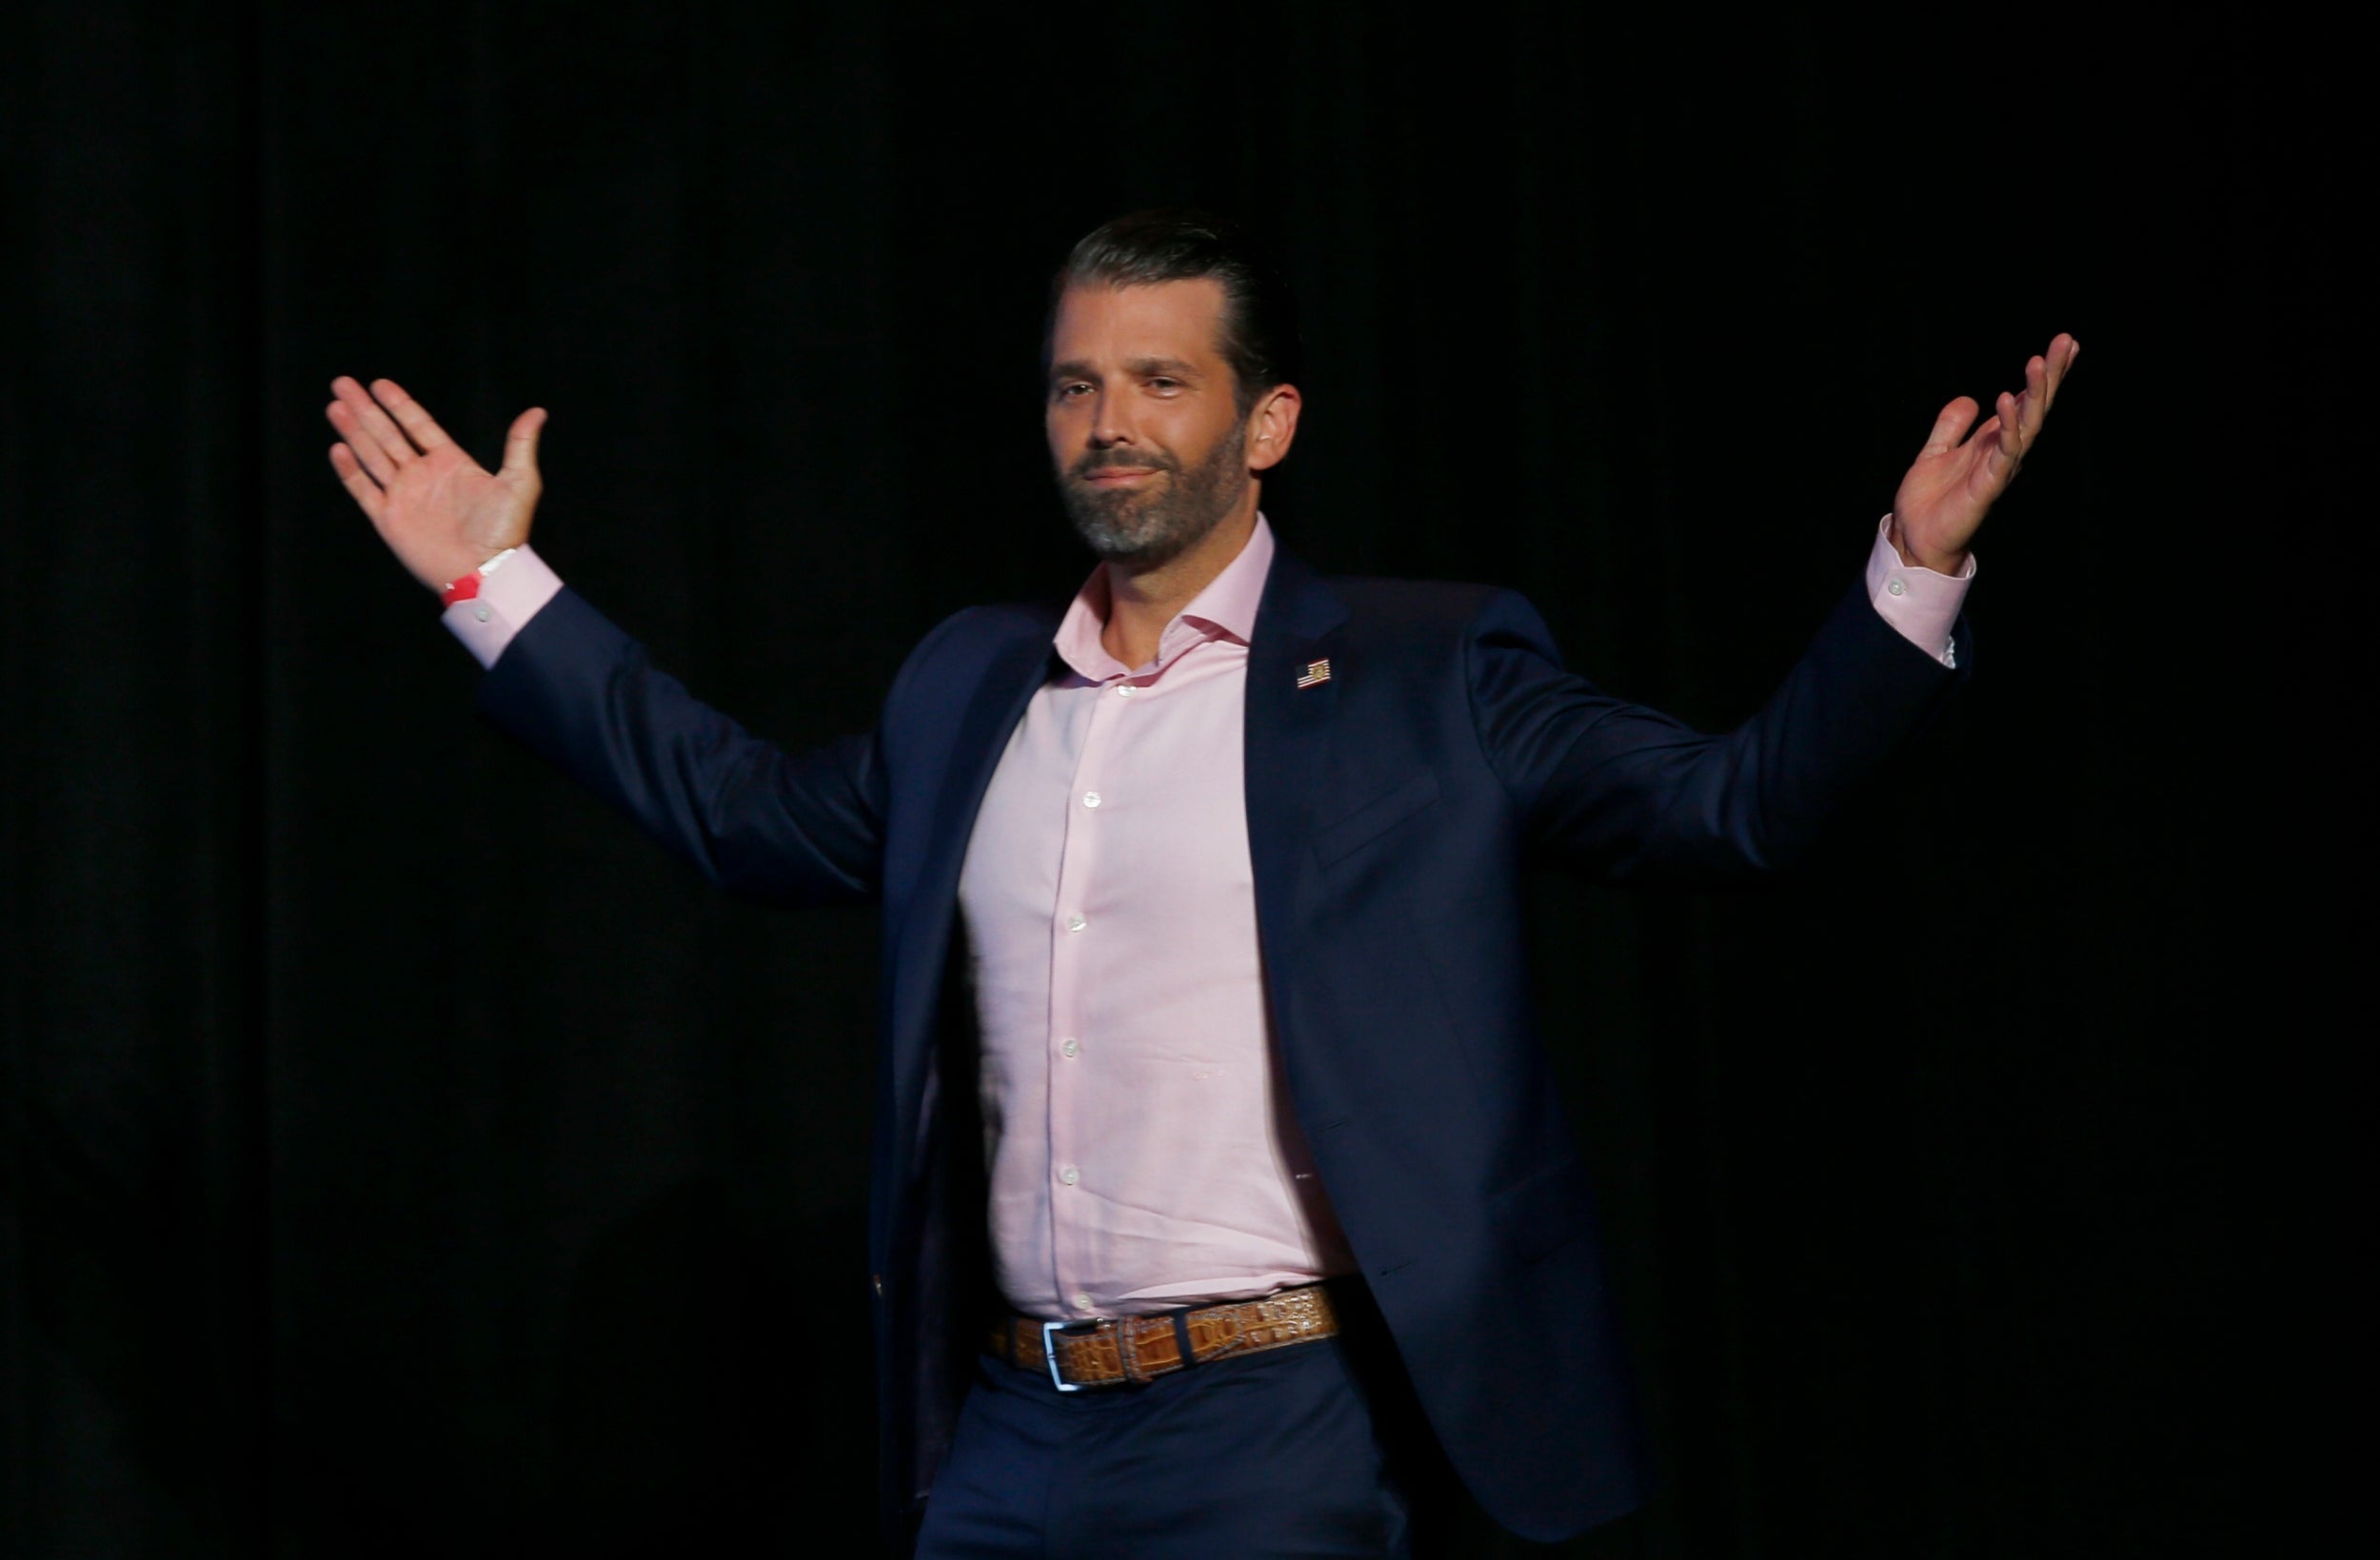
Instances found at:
x=1126 y=1350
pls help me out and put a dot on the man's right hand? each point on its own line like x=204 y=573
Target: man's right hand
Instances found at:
x=441 y=512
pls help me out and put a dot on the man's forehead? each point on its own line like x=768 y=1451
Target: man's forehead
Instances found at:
x=1174 y=320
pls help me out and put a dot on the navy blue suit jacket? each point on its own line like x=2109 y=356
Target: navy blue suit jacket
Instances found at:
x=1391 y=811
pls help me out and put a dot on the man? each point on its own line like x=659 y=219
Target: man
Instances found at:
x=1219 y=1179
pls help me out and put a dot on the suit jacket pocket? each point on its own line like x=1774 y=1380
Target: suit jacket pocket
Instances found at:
x=1336 y=840
x=1542 y=1210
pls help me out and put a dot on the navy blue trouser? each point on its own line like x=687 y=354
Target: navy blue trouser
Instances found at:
x=1294 y=1452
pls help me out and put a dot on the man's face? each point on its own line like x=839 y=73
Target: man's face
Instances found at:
x=1144 y=434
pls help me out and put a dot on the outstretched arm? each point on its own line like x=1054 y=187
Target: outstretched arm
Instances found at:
x=1626 y=791
x=567 y=682
x=799 y=828
x=1627 y=794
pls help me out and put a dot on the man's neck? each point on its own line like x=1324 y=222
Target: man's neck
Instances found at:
x=1140 y=604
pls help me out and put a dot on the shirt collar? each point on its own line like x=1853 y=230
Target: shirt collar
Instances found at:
x=1225 y=609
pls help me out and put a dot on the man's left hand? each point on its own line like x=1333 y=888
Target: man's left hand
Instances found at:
x=1957 y=478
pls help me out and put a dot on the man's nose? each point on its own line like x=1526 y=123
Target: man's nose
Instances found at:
x=1111 y=422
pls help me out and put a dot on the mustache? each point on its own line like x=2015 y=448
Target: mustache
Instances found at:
x=1101 y=460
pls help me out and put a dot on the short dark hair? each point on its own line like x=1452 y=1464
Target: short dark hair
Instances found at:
x=1146 y=248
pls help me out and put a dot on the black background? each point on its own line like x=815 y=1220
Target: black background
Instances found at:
x=402 y=1155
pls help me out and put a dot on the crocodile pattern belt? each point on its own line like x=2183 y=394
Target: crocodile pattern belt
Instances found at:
x=1126 y=1350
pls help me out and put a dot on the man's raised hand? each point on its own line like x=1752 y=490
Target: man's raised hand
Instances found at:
x=1956 y=478
x=441 y=512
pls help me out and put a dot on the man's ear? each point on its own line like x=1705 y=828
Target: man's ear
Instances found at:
x=1272 y=427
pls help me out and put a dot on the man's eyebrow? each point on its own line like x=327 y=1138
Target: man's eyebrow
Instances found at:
x=1177 y=367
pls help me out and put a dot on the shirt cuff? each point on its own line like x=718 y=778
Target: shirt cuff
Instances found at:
x=514 y=586
x=1920 y=603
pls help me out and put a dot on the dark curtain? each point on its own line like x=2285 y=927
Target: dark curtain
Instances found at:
x=402 y=1157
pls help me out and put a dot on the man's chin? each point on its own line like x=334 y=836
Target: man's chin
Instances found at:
x=1123 y=537
x=1134 y=554
x=1141 y=531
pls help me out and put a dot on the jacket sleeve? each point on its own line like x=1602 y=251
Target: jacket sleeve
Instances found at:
x=1628 y=794
x=756 y=820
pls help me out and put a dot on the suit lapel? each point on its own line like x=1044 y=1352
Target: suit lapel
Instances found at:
x=1287 y=740
x=1012 y=675
x=1014 y=670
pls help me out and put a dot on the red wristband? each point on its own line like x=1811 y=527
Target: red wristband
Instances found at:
x=462 y=589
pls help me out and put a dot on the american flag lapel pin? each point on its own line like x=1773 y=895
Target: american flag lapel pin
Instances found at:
x=1317 y=671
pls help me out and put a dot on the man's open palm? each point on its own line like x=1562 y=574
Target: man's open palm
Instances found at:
x=1957 y=477
x=441 y=512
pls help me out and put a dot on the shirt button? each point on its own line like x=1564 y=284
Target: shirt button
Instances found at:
x=1081 y=1301
x=1070 y=1175
x=480 y=612
x=1896 y=588
x=1072 y=1047
x=1125 y=690
x=1076 y=923
x=1090 y=799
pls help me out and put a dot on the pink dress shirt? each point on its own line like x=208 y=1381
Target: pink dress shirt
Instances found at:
x=1141 y=1154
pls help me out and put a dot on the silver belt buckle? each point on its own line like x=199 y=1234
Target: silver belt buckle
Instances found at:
x=1050 y=1354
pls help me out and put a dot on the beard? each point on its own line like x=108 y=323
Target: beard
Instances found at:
x=1176 y=510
